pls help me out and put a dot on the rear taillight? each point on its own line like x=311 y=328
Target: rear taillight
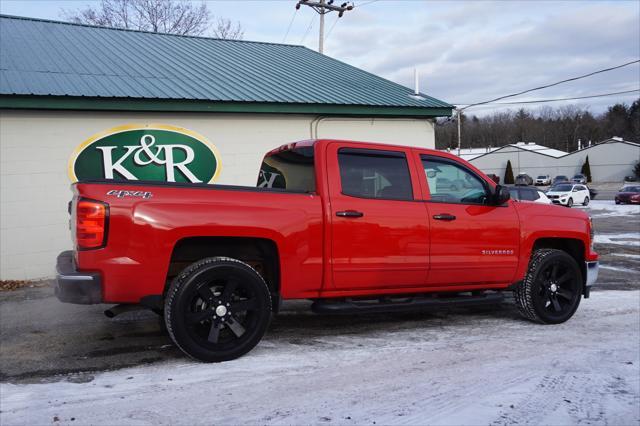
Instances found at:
x=91 y=224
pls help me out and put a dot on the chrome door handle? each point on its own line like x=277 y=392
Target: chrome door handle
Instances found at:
x=349 y=213
x=444 y=216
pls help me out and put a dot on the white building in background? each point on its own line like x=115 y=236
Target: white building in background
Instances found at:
x=610 y=160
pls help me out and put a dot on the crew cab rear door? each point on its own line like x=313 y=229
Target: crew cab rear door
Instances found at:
x=379 y=232
x=472 y=241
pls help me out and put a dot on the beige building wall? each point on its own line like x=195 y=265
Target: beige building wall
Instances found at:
x=35 y=147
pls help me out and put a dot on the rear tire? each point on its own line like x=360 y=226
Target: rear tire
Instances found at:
x=551 y=291
x=586 y=201
x=217 y=309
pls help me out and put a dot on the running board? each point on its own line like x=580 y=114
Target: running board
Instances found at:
x=398 y=304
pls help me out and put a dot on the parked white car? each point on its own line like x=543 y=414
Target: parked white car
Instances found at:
x=568 y=194
x=528 y=193
x=543 y=180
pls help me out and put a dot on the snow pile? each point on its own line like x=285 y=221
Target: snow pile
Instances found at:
x=624 y=239
x=466 y=368
x=603 y=208
x=618 y=269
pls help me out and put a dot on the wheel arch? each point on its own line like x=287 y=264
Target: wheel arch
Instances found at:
x=262 y=254
x=572 y=246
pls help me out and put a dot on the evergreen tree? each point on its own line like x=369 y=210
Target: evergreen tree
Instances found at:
x=508 y=174
x=586 y=169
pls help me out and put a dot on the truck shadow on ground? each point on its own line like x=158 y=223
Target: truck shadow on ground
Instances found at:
x=74 y=342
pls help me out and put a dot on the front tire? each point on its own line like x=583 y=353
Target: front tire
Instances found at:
x=586 y=201
x=570 y=202
x=217 y=309
x=552 y=288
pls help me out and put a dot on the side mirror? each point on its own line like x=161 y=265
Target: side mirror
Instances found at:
x=501 y=195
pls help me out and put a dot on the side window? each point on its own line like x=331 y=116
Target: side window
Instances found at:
x=452 y=183
x=368 y=173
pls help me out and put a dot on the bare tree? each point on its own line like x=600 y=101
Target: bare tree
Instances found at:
x=162 y=16
x=225 y=29
x=558 y=128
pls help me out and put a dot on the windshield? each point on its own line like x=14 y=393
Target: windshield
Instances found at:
x=542 y=177
x=291 y=169
x=562 y=188
x=561 y=178
x=578 y=176
x=631 y=189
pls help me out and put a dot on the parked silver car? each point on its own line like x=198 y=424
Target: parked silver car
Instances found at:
x=579 y=178
x=543 y=180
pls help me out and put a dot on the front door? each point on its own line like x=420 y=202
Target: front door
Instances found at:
x=472 y=242
x=379 y=231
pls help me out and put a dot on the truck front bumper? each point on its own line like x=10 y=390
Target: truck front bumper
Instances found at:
x=592 y=275
x=72 y=286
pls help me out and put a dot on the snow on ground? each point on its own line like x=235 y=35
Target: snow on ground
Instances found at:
x=625 y=239
x=618 y=268
x=604 y=208
x=630 y=256
x=465 y=368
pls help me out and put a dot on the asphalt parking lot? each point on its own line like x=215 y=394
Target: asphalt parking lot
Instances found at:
x=45 y=342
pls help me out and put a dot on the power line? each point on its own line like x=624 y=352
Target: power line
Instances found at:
x=365 y=3
x=293 y=17
x=559 y=99
x=552 y=84
x=306 y=33
x=459 y=110
x=331 y=29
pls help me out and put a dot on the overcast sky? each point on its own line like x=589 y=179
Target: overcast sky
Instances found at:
x=465 y=51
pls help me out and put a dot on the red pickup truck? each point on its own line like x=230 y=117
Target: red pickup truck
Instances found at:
x=355 y=227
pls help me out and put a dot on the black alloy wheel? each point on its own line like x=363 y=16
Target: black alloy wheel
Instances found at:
x=552 y=289
x=217 y=309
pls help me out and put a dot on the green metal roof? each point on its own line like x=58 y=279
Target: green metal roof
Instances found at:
x=72 y=63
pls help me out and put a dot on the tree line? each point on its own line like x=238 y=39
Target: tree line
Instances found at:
x=558 y=128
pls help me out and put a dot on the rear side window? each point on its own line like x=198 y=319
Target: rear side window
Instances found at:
x=292 y=170
x=370 y=173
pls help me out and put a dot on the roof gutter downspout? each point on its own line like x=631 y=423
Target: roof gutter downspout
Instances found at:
x=313 y=126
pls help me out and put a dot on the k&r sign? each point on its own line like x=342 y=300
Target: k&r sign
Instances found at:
x=156 y=152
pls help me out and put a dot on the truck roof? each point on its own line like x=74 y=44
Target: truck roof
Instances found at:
x=324 y=141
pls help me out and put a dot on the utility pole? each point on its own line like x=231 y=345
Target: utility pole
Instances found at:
x=322 y=7
x=459 y=119
x=321 y=35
